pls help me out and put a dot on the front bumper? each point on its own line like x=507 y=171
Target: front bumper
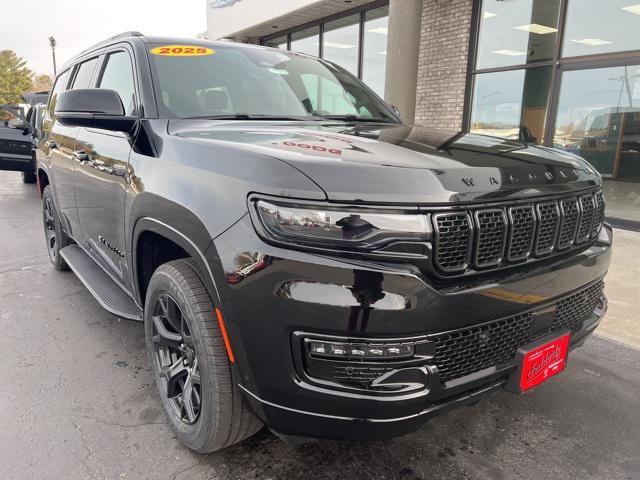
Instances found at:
x=263 y=314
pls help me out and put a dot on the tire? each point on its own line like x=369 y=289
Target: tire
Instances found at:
x=55 y=237
x=28 y=177
x=180 y=321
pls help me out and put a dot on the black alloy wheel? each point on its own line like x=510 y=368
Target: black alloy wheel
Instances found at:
x=176 y=359
x=190 y=363
x=50 y=229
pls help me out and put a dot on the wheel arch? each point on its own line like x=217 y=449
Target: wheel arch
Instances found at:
x=183 y=240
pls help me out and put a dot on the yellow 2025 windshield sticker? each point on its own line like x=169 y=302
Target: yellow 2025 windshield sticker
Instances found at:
x=182 y=51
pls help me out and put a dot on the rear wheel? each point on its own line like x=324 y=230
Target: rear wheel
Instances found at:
x=28 y=177
x=190 y=364
x=54 y=235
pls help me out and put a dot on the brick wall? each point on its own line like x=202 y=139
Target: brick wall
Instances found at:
x=443 y=62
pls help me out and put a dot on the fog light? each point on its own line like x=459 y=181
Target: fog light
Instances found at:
x=360 y=350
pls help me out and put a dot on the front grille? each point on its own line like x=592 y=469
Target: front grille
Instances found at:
x=570 y=214
x=572 y=311
x=453 y=239
x=469 y=350
x=598 y=214
x=506 y=234
x=586 y=219
x=491 y=228
x=523 y=225
x=548 y=221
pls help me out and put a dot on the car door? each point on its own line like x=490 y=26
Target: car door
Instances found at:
x=15 y=140
x=101 y=172
x=55 y=149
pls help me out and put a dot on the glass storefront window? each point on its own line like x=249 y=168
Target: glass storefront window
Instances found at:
x=599 y=119
x=511 y=104
x=596 y=92
x=341 y=40
x=601 y=26
x=277 y=42
x=347 y=41
x=306 y=41
x=375 y=49
x=517 y=32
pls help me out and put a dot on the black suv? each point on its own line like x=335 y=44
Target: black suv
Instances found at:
x=302 y=259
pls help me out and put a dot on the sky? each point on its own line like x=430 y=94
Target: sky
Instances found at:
x=26 y=25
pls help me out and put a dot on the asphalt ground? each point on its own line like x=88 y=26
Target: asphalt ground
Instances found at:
x=77 y=400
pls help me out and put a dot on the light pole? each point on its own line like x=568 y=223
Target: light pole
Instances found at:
x=52 y=42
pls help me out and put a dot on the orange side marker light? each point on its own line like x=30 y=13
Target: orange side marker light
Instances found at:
x=225 y=337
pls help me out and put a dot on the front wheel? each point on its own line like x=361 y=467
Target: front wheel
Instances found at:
x=189 y=362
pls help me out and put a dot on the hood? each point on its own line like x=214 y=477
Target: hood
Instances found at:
x=393 y=164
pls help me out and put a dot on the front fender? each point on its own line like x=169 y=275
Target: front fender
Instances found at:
x=151 y=213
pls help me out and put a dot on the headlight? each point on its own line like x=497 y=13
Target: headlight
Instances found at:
x=351 y=228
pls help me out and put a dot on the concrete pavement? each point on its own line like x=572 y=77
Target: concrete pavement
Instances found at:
x=622 y=323
x=77 y=400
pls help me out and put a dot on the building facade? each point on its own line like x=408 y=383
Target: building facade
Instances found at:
x=561 y=73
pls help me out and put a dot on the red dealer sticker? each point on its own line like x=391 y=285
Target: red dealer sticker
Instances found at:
x=543 y=362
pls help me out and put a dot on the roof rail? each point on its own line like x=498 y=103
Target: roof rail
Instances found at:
x=132 y=33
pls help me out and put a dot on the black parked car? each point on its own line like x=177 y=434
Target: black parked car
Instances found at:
x=299 y=257
x=18 y=139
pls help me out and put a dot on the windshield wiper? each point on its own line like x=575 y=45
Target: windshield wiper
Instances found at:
x=357 y=118
x=251 y=116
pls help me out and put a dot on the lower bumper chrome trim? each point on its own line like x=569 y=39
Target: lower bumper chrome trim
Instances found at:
x=432 y=409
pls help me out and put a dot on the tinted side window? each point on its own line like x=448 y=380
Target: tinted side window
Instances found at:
x=84 y=73
x=118 y=76
x=58 y=88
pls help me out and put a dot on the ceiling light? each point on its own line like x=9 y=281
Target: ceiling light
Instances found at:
x=489 y=14
x=380 y=30
x=536 y=28
x=592 y=42
x=343 y=46
x=511 y=53
x=633 y=9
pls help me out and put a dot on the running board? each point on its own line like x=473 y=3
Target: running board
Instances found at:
x=106 y=291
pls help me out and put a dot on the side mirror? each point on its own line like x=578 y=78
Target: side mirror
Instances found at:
x=93 y=108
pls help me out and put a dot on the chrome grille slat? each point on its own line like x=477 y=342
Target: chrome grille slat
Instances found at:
x=474 y=238
x=491 y=236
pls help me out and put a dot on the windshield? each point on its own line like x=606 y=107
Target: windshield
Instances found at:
x=255 y=81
